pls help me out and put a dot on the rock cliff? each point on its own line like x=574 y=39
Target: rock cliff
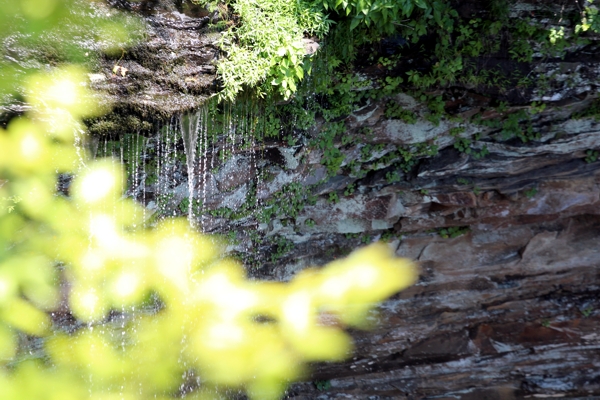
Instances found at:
x=505 y=227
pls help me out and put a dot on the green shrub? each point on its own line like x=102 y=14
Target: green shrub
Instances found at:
x=265 y=51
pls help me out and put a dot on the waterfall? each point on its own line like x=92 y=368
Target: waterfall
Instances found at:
x=202 y=164
x=190 y=125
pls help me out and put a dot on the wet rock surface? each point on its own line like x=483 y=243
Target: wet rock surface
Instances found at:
x=172 y=71
x=170 y=68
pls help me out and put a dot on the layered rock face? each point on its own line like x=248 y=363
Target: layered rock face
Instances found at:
x=171 y=71
x=506 y=311
x=509 y=309
x=507 y=304
x=506 y=232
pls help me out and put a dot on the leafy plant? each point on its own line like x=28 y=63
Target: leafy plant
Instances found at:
x=386 y=63
x=502 y=107
x=231 y=237
x=12 y=203
x=546 y=323
x=536 y=107
x=511 y=127
x=333 y=198
x=591 y=156
x=366 y=152
x=282 y=247
x=349 y=189
x=530 y=193
x=592 y=111
x=388 y=236
x=196 y=206
x=322 y=385
x=164 y=200
x=395 y=111
x=436 y=106
x=332 y=156
x=589 y=19
x=392 y=177
x=389 y=85
x=265 y=51
x=586 y=312
x=222 y=212
x=464 y=146
x=378 y=14
x=286 y=203
x=453 y=231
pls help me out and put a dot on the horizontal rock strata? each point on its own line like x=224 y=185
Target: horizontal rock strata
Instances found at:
x=505 y=311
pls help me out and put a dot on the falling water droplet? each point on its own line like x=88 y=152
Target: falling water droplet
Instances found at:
x=190 y=126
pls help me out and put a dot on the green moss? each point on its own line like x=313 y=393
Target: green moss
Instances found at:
x=117 y=124
x=104 y=127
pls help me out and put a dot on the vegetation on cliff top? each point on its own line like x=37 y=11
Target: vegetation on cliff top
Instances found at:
x=265 y=52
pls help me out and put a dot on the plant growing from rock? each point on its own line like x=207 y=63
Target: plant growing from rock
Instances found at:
x=530 y=193
x=333 y=198
x=591 y=156
x=436 y=107
x=322 y=385
x=387 y=236
x=589 y=18
x=392 y=177
x=349 y=189
x=395 y=111
x=265 y=51
x=586 y=312
x=453 y=231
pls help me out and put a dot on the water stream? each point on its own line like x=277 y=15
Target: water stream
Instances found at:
x=191 y=127
x=196 y=164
